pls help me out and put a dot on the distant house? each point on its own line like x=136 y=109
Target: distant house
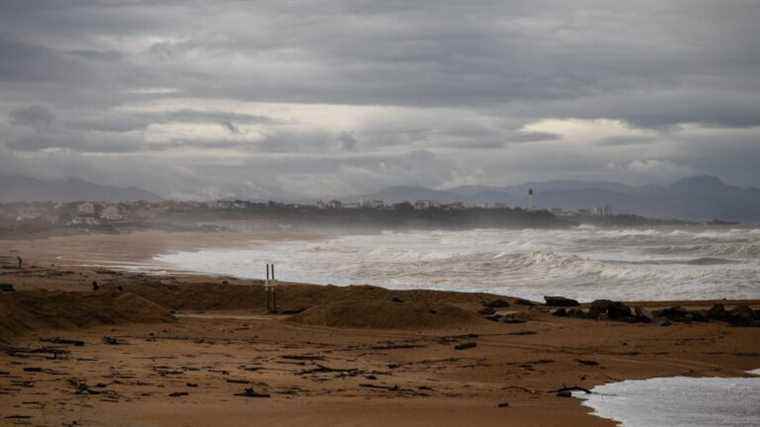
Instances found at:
x=111 y=213
x=373 y=204
x=86 y=209
x=334 y=204
x=454 y=206
x=424 y=204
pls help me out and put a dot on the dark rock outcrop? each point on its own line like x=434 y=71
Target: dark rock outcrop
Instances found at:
x=674 y=314
x=613 y=310
x=556 y=301
x=742 y=315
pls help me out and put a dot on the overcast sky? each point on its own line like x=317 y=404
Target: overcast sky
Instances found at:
x=314 y=98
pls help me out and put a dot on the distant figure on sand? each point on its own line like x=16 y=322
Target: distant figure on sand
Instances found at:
x=20 y=262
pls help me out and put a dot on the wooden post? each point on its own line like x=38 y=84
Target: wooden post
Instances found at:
x=274 y=292
x=267 y=292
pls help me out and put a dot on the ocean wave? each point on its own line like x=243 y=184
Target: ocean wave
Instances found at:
x=585 y=263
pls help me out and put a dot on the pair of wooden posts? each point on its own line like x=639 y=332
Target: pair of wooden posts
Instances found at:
x=269 y=289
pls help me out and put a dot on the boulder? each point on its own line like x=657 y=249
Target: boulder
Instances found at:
x=560 y=312
x=643 y=315
x=676 y=314
x=741 y=315
x=576 y=313
x=555 y=301
x=614 y=310
x=717 y=312
x=696 y=316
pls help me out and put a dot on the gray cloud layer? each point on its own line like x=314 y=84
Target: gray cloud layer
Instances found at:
x=334 y=97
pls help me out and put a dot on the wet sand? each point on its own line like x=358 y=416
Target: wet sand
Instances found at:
x=219 y=340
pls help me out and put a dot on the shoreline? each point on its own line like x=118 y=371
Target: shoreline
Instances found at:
x=228 y=329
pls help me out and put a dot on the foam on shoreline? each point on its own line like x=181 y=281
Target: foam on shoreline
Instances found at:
x=679 y=402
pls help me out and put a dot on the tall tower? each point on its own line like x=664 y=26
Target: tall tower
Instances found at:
x=530 y=199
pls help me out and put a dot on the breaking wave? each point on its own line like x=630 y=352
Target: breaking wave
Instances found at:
x=584 y=262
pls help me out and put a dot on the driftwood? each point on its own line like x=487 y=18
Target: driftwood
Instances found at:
x=301 y=357
x=465 y=346
x=250 y=392
x=394 y=346
x=321 y=369
x=64 y=341
x=25 y=351
x=396 y=388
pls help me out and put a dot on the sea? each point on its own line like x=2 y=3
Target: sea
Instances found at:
x=584 y=262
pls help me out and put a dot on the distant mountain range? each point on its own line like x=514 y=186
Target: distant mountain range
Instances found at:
x=698 y=197
x=14 y=188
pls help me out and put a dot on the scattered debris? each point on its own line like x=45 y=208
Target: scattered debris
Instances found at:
x=512 y=320
x=54 y=352
x=465 y=345
x=394 y=387
x=250 y=392
x=302 y=357
x=63 y=341
x=113 y=340
x=320 y=369
x=503 y=405
x=81 y=388
x=178 y=394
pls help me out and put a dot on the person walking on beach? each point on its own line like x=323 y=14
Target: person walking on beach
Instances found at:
x=20 y=262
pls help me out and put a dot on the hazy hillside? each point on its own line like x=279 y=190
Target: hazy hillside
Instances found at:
x=699 y=197
x=15 y=188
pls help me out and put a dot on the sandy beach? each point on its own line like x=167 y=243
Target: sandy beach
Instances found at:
x=181 y=350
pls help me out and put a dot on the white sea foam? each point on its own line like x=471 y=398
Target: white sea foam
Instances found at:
x=679 y=401
x=584 y=262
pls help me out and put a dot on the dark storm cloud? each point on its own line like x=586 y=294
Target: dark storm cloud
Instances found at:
x=35 y=116
x=470 y=74
x=27 y=62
